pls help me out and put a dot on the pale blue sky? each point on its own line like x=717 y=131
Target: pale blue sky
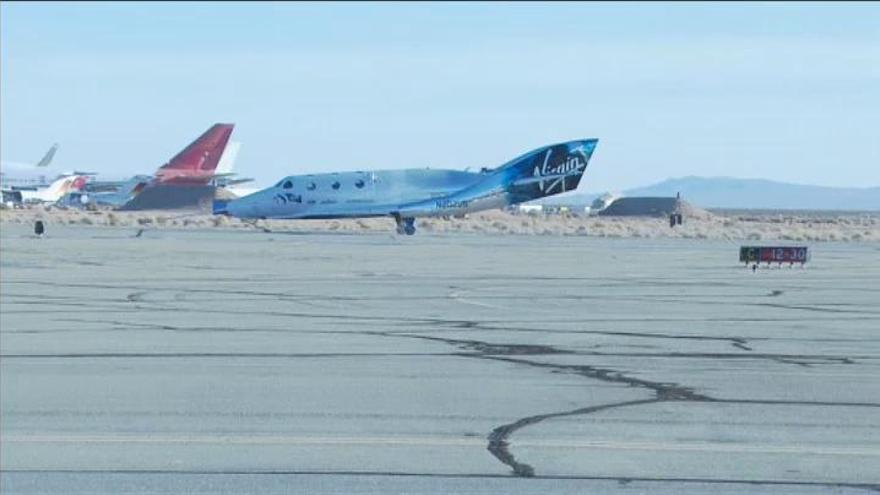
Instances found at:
x=781 y=91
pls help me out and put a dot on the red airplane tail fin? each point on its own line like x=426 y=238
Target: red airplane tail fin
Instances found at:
x=198 y=160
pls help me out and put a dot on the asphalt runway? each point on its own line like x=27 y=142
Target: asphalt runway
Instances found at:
x=217 y=361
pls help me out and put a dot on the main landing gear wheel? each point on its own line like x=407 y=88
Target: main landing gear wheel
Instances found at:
x=409 y=227
x=405 y=225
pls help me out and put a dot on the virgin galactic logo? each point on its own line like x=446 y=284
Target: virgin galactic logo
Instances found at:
x=573 y=165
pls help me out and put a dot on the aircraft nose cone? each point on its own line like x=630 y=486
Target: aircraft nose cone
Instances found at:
x=219 y=207
x=234 y=208
x=241 y=208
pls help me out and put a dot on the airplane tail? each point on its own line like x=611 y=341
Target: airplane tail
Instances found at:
x=549 y=170
x=47 y=159
x=135 y=185
x=198 y=160
x=542 y=172
x=64 y=185
x=227 y=159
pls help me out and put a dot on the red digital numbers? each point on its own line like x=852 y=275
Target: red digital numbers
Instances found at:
x=774 y=254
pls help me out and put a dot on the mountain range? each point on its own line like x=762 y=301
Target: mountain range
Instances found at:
x=735 y=193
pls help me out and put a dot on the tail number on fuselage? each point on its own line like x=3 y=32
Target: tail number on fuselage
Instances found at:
x=444 y=204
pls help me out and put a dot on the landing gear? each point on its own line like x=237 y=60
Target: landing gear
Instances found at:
x=405 y=225
x=253 y=222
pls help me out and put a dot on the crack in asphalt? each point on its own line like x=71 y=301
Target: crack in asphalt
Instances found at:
x=486 y=348
x=573 y=297
x=136 y=296
x=624 y=480
x=489 y=349
x=498 y=439
x=500 y=447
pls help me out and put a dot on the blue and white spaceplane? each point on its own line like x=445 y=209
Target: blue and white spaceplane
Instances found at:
x=407 y=194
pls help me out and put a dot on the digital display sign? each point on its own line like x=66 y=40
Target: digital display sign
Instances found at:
x=774 y=254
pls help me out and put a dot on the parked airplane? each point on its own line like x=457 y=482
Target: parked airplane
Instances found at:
x=37 y=183
x=102 y=194
x=407 y=194
x=197 y=163
x=44 y=194
x=187 y=180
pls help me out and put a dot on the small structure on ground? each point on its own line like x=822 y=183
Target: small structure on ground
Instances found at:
x=602 y=202
x=642 y=206
x=529 y=208
x=674 y=208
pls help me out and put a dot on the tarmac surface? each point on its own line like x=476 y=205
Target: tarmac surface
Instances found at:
x=239 y=361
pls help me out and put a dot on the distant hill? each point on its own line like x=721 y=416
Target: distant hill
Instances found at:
x=729 y=192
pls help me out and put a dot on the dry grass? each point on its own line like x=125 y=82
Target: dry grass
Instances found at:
x=848 y=228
